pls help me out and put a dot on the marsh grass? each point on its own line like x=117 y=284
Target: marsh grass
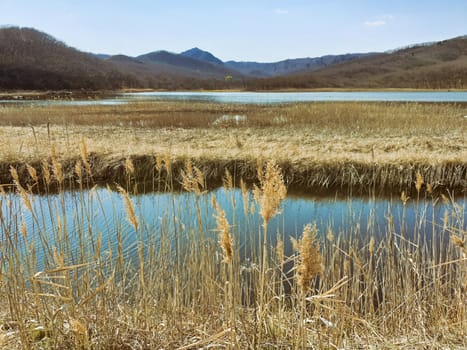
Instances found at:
x=379 y=146
x=190 y=287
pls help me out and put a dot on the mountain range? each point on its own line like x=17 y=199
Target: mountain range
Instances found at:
x=33 y=60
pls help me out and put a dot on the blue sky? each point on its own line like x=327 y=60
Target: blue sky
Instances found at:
x=258 y=30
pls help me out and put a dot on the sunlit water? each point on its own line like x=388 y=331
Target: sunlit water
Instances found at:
x=289 y=97
x=82 y=217
x=260 y=97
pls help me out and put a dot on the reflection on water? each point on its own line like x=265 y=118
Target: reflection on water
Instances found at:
x=74 y=219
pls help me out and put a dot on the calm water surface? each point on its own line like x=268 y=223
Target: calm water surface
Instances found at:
x=260 y=97
x=82 y=217
x=288 y=97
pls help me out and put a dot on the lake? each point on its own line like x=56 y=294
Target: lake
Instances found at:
x=290 y=97
x=260 y=97
x=71 y=219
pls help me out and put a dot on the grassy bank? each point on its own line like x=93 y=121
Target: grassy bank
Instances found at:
x=188 y=287
x=352 y=144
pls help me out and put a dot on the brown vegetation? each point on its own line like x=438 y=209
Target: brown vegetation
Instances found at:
x=438 y=66
x=31 y=60
x=81 y=289
x=330 y=145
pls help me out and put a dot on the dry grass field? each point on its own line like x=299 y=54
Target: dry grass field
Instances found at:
x=330 y=144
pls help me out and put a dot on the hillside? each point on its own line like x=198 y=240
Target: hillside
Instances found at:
x=259 y=69
x=189 y=66
x=33 y=60
x=439 y=65
x=256 y=69
x=202 y=56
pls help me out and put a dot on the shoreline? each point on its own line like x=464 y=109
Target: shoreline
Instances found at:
x=34 y=95
x=320 y=178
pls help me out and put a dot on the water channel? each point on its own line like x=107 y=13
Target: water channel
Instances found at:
x=84 y=216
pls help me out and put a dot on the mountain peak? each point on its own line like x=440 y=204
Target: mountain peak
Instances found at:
x=202 y=55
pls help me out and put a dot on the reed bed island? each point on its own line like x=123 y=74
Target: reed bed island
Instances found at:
x=82 y=268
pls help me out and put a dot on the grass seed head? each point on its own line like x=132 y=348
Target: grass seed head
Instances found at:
x=32 y=172
x=129 y=167
x=225 y=240
x=310 y=258
x=79 y=170
x=46 y=172
x=129 y=207
x=57 y=170
x=227 y=180
x=273 y=191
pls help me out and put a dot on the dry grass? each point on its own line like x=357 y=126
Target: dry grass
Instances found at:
x=311 y=138
x=187 y=287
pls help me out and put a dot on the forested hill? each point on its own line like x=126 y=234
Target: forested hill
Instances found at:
x=33 y=60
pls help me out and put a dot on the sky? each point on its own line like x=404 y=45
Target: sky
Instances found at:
x=246 y=30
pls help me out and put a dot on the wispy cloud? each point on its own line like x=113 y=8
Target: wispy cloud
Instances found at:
x=280 y=11
x=377 y=23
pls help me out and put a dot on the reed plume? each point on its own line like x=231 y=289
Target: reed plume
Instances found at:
x=129 y=167
x=57 y=170
x=14 y=175
x=192 y=178
x=310 y=258
x=79 y=170
x=225 y=240
x=32 y=172
x=227 y=180
x=20 y=189
x=459 y=242
x=46 y=172
x=273 y=191
x=129 y=208
x=199 y=176
x=188 y=178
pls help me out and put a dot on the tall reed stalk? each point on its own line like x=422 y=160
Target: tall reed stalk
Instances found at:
x=82 y=268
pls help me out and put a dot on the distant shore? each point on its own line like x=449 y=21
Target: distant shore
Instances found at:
x=25 y=95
